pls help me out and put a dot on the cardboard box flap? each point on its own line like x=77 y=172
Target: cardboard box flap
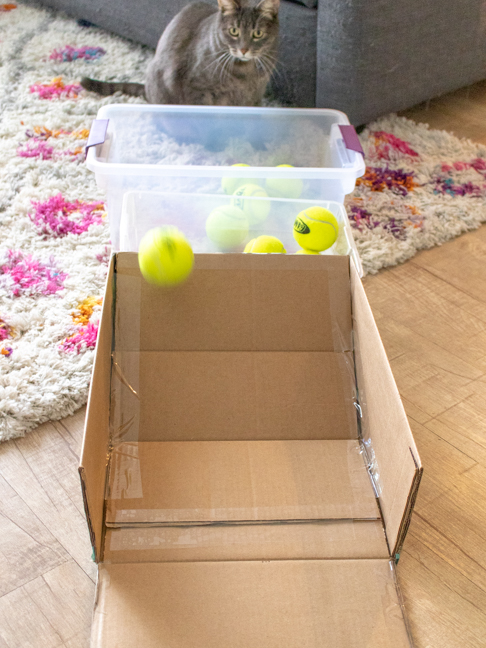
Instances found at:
x=392 y=453
x=94 y=453
x=238 y=302
x=329 y=539
x=237 y=482
x=233 y=395
x=311 y=603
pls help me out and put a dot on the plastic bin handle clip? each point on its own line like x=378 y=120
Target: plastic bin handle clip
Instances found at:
x=350 y=138
x=97 y=133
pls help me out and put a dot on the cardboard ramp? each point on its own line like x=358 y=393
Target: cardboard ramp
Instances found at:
x=291 y=603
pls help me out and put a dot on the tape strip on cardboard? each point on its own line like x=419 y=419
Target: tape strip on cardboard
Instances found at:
x=264 y=541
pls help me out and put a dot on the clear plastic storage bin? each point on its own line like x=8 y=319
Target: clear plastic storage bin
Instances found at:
x=142 y=211
x=191 y=149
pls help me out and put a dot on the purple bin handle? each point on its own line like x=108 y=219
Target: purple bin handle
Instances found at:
x=351 y=139
x=97 y=133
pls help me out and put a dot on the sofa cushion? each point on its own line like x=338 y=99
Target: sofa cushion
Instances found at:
x=307 y=3
x=377 y=56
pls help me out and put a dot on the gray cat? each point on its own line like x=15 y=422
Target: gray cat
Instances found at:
x=210 y=56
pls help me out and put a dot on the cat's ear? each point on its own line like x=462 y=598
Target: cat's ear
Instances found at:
x=229 y=6
x=269 y=8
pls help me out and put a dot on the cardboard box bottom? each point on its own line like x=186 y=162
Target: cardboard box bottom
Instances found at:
x=249 y=604
x=232 y=481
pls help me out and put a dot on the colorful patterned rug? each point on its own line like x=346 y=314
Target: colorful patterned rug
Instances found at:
x=421 y=188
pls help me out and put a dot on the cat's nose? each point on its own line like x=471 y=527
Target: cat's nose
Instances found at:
x=244 y=51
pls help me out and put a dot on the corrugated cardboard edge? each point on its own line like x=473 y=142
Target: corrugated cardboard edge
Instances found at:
x=82 y=477
x=94 y=504
x=407 y=515
x=401 y=602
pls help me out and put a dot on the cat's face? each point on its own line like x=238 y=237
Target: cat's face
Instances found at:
x=249 y=29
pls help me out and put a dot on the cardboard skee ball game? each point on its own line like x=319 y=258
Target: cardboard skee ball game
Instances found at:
x=248 y=470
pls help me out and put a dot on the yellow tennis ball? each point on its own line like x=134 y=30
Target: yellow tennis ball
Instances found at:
x=316 y=229
x=265 y=245
x=230 y=185
x=284 y=187
x=307 y=252
x=255 y=210
x=165 y=256
x=227 y=226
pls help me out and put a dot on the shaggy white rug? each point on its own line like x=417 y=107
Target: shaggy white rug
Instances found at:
x=53 y=231
x=421 y=188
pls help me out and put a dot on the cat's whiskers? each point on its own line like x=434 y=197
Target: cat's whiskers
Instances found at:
x=278 y=68
x=275 y=63
x=267 y=66
x=262 y=69
x=270 y=57
x=229 y=63
x=223 y=62
x=217 y=57
x=218 y=63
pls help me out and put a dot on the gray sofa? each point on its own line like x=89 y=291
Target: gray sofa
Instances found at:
x=364 y=57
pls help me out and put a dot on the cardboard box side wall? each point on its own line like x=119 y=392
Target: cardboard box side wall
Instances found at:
x=95 y=449
x=238 y=302
x=395 y=462
x=233 y=396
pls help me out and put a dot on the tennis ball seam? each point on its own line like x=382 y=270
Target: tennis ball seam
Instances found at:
x=166 y=245
x=324 y=222
x=165 y=258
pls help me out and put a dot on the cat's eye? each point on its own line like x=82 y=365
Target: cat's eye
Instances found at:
x=257 y=34
x=234 y=31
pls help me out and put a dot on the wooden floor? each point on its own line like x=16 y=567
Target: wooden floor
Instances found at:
x=462 y=112
x=431 y=312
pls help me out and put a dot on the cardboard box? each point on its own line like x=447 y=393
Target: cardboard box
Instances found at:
x=248 y=470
